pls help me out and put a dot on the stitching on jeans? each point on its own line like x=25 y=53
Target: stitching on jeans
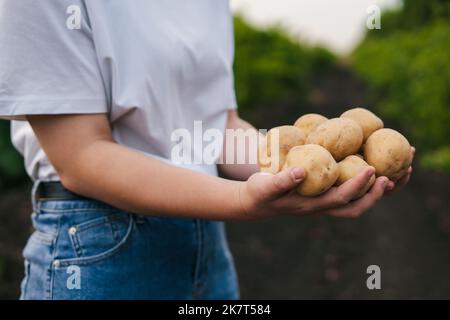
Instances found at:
x=101 y=256
x=75 y=243
x=78 y=210
x=99 y=221
x=83 y=226
x=51 y=270
x=198 y=264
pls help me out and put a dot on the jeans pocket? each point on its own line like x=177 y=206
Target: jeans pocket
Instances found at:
x=98 y=238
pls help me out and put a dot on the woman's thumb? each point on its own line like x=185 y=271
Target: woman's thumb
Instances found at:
x=285 y=181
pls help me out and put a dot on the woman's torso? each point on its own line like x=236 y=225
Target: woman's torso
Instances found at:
x=164 y=65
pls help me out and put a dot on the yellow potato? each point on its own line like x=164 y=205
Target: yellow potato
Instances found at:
x=278 y=142
x=368 y=121
x=340 y=136
x=321 y=169
x=349 y=168
x=389 y=152
x=309 y=122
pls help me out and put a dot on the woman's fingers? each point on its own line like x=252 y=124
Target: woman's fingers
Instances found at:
x=358 y=207
x=342 y=195
x=273 y=186
x=399 y=184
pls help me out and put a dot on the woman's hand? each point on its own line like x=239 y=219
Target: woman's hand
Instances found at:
x=267 y=195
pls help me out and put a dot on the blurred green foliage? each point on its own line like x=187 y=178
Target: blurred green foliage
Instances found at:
x=407 y=67
x=11 y=163
x=273 y=71
x=412 y=15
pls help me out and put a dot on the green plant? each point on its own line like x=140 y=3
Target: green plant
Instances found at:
x=11 y=163
x=272 y=69
x=408 y=72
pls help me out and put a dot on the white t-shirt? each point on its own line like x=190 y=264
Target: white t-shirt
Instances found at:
x=153 y=66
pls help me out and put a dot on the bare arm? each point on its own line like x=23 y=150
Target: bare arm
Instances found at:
x=90 y=163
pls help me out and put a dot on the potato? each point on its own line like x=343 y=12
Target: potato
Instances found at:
x=309 y=122
x=321 y=169
x=368 y=121
x=279 y=141
x=349 y=168
x=389 y=152
x=340 y=136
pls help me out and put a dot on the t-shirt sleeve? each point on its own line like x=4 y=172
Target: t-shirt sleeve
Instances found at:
x=233 y=105
x=48 y=63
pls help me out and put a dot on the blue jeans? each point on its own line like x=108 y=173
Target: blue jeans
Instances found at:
x=85 y=249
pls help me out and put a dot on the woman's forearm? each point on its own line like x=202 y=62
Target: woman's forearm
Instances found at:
x=132 y=181
x=90 y=163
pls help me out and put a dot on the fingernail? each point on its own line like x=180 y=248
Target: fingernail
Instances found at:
x=390 y=185
x=297 y=173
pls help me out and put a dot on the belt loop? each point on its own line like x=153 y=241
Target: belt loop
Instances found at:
x=34 y=195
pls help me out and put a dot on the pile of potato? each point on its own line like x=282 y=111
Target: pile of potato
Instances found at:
x=330 y=150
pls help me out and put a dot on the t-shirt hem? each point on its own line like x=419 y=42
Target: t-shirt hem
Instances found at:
x=18 y=109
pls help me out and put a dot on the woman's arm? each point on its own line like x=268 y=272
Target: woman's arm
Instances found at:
x=90 y=163
x=239 y=171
